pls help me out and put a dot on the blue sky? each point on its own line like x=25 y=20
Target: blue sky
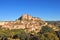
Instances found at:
x=44 y=9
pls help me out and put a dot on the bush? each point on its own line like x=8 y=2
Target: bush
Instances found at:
x=42 y=37
x=23 y=35
x=3 y=37
x=34 y=37
x=58 y=34
x=15 y=36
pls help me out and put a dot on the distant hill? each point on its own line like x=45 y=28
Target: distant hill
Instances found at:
x=56 y=23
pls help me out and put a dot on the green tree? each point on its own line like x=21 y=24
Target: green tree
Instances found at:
x=46 y=29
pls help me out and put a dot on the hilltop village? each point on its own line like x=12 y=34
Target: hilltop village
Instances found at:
x=25 y=22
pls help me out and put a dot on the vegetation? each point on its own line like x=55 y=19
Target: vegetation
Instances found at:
x=46 y=33
x=46 y=29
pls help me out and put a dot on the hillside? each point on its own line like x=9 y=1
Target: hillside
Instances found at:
x=37 y=22
x=27 y=27
x=27 y=23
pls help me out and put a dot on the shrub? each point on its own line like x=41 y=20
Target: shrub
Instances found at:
x=3 y=37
